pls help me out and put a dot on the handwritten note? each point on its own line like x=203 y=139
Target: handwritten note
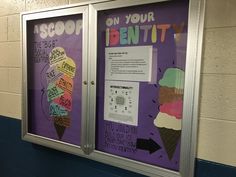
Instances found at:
x=57 y=110
x=67 y=67
x=65 y=83
x=53 y=92
x=52 y=74
x=65 y=101
x=57 y=54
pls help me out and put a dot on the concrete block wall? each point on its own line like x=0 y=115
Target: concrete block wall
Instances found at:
x=217 y=128
x=10 y=61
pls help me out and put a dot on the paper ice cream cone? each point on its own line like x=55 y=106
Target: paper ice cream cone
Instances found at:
x=168 y=120
x=59 y=77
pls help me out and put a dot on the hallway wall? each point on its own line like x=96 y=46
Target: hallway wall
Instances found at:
x=217 y=128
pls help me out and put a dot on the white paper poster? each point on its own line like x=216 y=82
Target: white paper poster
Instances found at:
x=129 y=63
x=121 y=102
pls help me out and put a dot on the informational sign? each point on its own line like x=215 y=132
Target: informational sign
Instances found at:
x=141 y=70
x=121 y=102
x=55 y=77
x=129 y=63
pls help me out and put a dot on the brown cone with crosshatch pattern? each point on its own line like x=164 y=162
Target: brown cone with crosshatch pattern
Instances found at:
x=60 y=130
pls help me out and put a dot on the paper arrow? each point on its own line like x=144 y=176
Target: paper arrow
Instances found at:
x=148 y=145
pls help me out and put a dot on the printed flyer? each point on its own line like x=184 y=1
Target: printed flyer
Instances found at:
x=139 y=117
x=55 y=77
x=129 y=63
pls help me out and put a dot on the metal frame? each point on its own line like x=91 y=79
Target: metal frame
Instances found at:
x=73 y=10
x=89 y=11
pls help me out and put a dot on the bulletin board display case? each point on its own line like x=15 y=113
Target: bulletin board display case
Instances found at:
x=116 y=82
x=147 y=80
x=54 y=68
x=141 y=68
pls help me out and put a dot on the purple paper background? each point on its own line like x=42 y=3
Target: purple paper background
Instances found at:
x=40 y=122
x=174 y=12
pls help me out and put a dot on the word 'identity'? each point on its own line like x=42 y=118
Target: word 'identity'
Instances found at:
x=140 y=28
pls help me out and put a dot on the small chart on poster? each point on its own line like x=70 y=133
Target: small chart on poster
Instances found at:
x=129 y=63
x=121 y=102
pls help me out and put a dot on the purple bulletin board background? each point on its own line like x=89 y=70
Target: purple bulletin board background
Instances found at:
x=38 y=49
x=175 y=12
